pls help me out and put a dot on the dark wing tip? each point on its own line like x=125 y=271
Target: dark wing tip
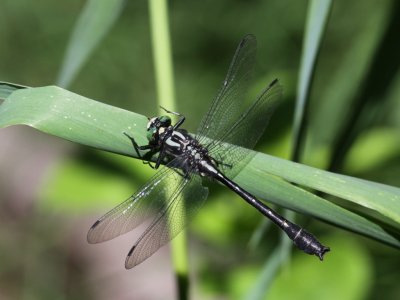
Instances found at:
x=91 y=238
x=131 y=251
x=248 y=38
x=128 y=263
x=95 y=224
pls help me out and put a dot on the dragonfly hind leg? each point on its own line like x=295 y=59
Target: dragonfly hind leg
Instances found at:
x=220 y=162
x=183 y=172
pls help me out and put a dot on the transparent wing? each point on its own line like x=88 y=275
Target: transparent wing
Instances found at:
x=183 y=204
x=226 y=106
x=245 y=133
x=148 y=201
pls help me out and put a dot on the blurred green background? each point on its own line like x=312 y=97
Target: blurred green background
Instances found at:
x=51 y=191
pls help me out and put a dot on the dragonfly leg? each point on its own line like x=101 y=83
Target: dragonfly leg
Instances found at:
x=146 y=157
x=219 y=162
x=161 y=156
x=146 y=162
x=181 y=117
x=136 y=146
x=183 y=172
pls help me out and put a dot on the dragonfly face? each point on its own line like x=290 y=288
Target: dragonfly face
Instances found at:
x=157 y=126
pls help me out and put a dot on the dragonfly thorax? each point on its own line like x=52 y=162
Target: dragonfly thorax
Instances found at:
x=179 y=143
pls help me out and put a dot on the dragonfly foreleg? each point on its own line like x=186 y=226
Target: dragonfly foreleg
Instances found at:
x=181 y=117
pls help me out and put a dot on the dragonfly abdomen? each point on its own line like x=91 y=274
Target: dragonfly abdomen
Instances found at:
x=301 y=238
x=304 y=240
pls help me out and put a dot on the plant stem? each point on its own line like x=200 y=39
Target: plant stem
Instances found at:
x=166 y=97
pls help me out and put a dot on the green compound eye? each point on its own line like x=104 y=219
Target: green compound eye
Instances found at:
x=150 y=133
x=165 y=120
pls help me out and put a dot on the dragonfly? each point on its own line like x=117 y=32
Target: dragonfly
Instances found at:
x=219 y=151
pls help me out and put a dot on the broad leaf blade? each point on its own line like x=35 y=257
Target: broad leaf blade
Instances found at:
x=73 y=117
x=7 y=88
x=79 y=119
x=381 y=198
x=263 y=185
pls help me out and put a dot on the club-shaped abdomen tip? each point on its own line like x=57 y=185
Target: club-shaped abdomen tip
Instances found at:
x=314 y=247
x=322 y=252
x=307 y=242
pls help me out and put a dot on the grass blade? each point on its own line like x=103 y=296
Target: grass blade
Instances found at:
x=259 y=181
x=374 y=88
x=67 y=115
x=316 y=21
x=59 y=112
x=378 y=197
x=95 y=21
x=6 y=89
x=271 y=267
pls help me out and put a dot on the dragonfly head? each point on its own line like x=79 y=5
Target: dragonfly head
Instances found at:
x=156 y=126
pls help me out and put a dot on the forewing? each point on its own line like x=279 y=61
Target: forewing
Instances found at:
x=147 y=202
x=182 y=206
x=226 y=106
x=247 y=130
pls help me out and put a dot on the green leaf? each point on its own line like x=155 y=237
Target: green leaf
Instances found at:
x=371 y=94
x=258 y=180
x=95 y=21
x=6 y=89
x=381 y=198
x=316 y=23
x=59 y=112
x=270 y=270
x=78 y=119
x=345 y=79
